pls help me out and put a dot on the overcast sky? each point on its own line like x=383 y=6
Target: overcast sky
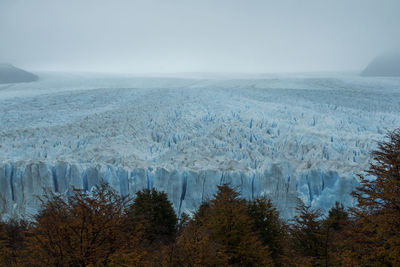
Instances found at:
x=197 y=36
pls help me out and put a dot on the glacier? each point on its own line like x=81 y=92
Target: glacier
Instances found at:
x=287 y=136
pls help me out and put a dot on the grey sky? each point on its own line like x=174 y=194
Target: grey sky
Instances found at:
x=197 y=36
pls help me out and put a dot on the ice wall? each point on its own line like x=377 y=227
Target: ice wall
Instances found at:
x=22 y=183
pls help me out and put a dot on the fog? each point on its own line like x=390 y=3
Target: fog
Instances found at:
x=168 y=36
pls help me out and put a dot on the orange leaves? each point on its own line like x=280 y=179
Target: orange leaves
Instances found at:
x=85 y=230
x=221 y=234
x=375 y=236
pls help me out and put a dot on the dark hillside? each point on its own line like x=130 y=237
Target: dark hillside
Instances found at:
x=11 y=74
x=386 y=65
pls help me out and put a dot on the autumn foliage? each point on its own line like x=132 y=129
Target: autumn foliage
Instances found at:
x=86 y=230
x=101 y=228
x=374 y=239
x=221 y=234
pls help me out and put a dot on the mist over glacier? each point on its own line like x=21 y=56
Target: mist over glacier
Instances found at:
x=284 y=136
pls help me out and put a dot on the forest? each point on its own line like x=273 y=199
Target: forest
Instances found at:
x=102 y=228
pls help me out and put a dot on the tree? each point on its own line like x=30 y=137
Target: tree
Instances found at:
x=195 y=247
x=333 y=225
x=337 y=217
x=307 y=236
x=376 y=234
x=155 y=211
x=221 y=234
x=12 y=235
x=133 y=250
x=268 y=226
x=85 y=230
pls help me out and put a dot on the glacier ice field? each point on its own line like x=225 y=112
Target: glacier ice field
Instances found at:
x=286 y=136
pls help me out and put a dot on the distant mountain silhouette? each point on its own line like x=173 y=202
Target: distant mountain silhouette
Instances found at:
x=384 y=65
x=11 y=74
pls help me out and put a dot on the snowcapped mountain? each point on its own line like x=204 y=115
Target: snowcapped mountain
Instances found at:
x=286 y=136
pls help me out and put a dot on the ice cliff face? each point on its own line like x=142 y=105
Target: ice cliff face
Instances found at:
x=22 y=183
x=283 y=136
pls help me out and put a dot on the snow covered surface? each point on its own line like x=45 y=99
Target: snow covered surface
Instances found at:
x=285 y=136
